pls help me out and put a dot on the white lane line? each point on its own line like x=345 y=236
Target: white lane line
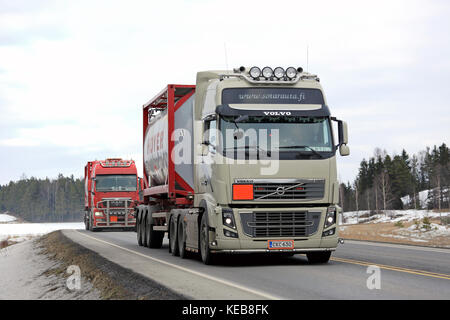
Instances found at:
x=399 y=246
x=222 y=281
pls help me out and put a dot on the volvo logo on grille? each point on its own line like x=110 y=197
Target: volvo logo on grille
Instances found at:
x=280 y=191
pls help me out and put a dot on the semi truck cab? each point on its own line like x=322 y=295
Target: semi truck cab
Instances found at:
x=111 y=193
x=261 y=176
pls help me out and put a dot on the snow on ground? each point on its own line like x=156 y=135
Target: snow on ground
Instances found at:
x=353 y=217
x=5 y=218
x=23 y=276
x=24 y=231
x=409 y=225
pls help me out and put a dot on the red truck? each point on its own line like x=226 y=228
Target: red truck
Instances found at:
x=111 y=192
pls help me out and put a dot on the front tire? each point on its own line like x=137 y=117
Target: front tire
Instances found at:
x=138 y=229
x=181 y=237
x=205 y=252
x=173 y=241
x=91 y=227
x=318 y=257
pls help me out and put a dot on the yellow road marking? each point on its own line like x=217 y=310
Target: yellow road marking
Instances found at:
x=399 y=269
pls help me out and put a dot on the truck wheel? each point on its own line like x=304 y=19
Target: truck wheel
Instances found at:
x=91 y=228
x=86 y=223
x=173 y=241
x=138 y=229
x=318 y=257
x=205 y=252
x=144 y=228
x=154 y=238
x=181 y=236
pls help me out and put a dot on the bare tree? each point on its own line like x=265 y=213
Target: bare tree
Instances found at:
x=384 y=187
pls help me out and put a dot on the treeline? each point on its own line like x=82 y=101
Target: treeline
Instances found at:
x=44 y=200
x=384 y=179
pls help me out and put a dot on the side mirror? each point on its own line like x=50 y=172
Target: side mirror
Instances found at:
x=344 y=150
x=343 y=132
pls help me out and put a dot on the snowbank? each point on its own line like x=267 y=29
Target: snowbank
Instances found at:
x=5 y=218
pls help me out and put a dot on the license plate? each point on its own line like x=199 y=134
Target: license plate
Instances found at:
x=113 y=218
x=280 y=244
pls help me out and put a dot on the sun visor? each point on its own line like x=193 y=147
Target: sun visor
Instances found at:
x=306 y=110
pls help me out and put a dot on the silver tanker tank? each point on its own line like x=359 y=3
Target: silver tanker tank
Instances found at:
x=156 y=145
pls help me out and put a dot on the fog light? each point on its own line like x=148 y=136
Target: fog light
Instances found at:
x=230 y=234
x=328 y=232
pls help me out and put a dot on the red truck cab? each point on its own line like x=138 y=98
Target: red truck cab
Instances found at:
x=111 y=192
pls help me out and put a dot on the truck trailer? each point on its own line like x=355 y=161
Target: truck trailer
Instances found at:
x=244 y=161
x=111 y=194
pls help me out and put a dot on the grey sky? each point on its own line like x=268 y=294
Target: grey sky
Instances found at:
x=74 y=74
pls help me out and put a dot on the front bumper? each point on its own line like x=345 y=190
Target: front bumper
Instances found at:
x=246 y=243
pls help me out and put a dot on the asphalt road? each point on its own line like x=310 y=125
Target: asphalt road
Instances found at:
x=406 y=272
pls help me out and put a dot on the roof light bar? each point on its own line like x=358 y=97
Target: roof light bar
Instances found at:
x=276 y=74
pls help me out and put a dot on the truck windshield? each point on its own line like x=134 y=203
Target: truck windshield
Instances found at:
x=118 y=182
x=297 y=135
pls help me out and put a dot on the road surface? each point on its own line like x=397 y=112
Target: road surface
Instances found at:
x=406 y=272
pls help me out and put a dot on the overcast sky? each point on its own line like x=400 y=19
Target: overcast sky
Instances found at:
x=75 y=74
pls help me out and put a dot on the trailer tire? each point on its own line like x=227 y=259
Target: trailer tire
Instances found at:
x=138 y=228
x=154 y=238
x=144 y=227
x=181 y=238
x=205 y=252
x=318 y=257
x=173 y=239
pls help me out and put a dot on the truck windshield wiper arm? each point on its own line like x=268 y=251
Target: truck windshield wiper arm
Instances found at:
x=305 y=147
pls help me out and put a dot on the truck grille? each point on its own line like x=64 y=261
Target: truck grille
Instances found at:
x=280 y=224
x=299 y=190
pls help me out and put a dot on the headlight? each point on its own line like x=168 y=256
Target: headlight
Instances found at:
x=255 y=72
x=330 y=218
x=291 y=72
x=267 y=72
x=228 y=218
x=98 y=214
x=278 y=72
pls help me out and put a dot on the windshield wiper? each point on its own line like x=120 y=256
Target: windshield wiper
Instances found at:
x=305 y=147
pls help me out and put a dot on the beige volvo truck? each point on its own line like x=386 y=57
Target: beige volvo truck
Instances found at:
x=244 y=161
